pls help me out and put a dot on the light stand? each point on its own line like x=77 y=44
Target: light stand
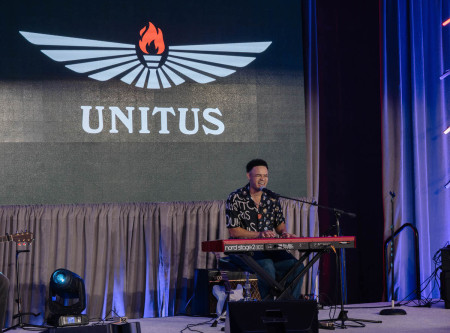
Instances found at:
x=392 y=310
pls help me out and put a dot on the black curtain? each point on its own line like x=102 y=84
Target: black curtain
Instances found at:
x=350 y=142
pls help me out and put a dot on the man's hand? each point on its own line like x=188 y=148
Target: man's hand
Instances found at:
x=267 y=234
x=281 y=230
x=287 y=235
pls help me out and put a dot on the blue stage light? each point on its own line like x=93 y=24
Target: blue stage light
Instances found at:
x=59 y=277
x=67 y=299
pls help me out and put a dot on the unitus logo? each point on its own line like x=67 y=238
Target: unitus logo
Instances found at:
x=210 y=124
x=149 y=63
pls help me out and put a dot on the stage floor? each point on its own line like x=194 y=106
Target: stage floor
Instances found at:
x=432 y=319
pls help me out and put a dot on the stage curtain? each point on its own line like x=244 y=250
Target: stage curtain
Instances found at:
x=137 y=259
x=416 y=156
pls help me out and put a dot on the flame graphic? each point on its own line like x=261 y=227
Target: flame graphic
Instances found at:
x=148 y=35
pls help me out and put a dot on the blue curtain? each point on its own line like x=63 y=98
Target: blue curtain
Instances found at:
x=415 y=112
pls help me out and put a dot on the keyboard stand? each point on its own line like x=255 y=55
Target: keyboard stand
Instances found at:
x=281 y=291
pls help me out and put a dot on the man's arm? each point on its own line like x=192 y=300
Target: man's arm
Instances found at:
x=244 y=233
x=281 y=230
x=280 y=222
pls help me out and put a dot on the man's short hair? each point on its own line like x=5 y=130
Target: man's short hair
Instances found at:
x=256 y=162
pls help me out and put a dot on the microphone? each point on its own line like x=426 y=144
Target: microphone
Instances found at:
x=269 y=192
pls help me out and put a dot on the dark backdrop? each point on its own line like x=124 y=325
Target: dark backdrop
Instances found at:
x=350 y=141
x=47 y=157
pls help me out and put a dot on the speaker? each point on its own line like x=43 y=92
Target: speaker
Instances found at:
x=291 y=316
x=445 y=288
x=445 y=276
x=203 y=300
x=445 y=258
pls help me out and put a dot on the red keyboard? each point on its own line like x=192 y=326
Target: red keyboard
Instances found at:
x=274 y=244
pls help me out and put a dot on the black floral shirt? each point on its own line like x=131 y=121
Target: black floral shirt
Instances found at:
x=242 y=212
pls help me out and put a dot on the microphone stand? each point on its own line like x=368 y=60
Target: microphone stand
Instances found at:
x=392 y=310
x=340 y=260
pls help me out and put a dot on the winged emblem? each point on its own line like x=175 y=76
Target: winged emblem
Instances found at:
x=148 y=63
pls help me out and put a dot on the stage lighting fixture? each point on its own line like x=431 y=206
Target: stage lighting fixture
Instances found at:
x=447 y=130
x=66 y=299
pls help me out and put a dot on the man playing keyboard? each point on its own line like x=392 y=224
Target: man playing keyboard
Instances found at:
x=253 y=213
